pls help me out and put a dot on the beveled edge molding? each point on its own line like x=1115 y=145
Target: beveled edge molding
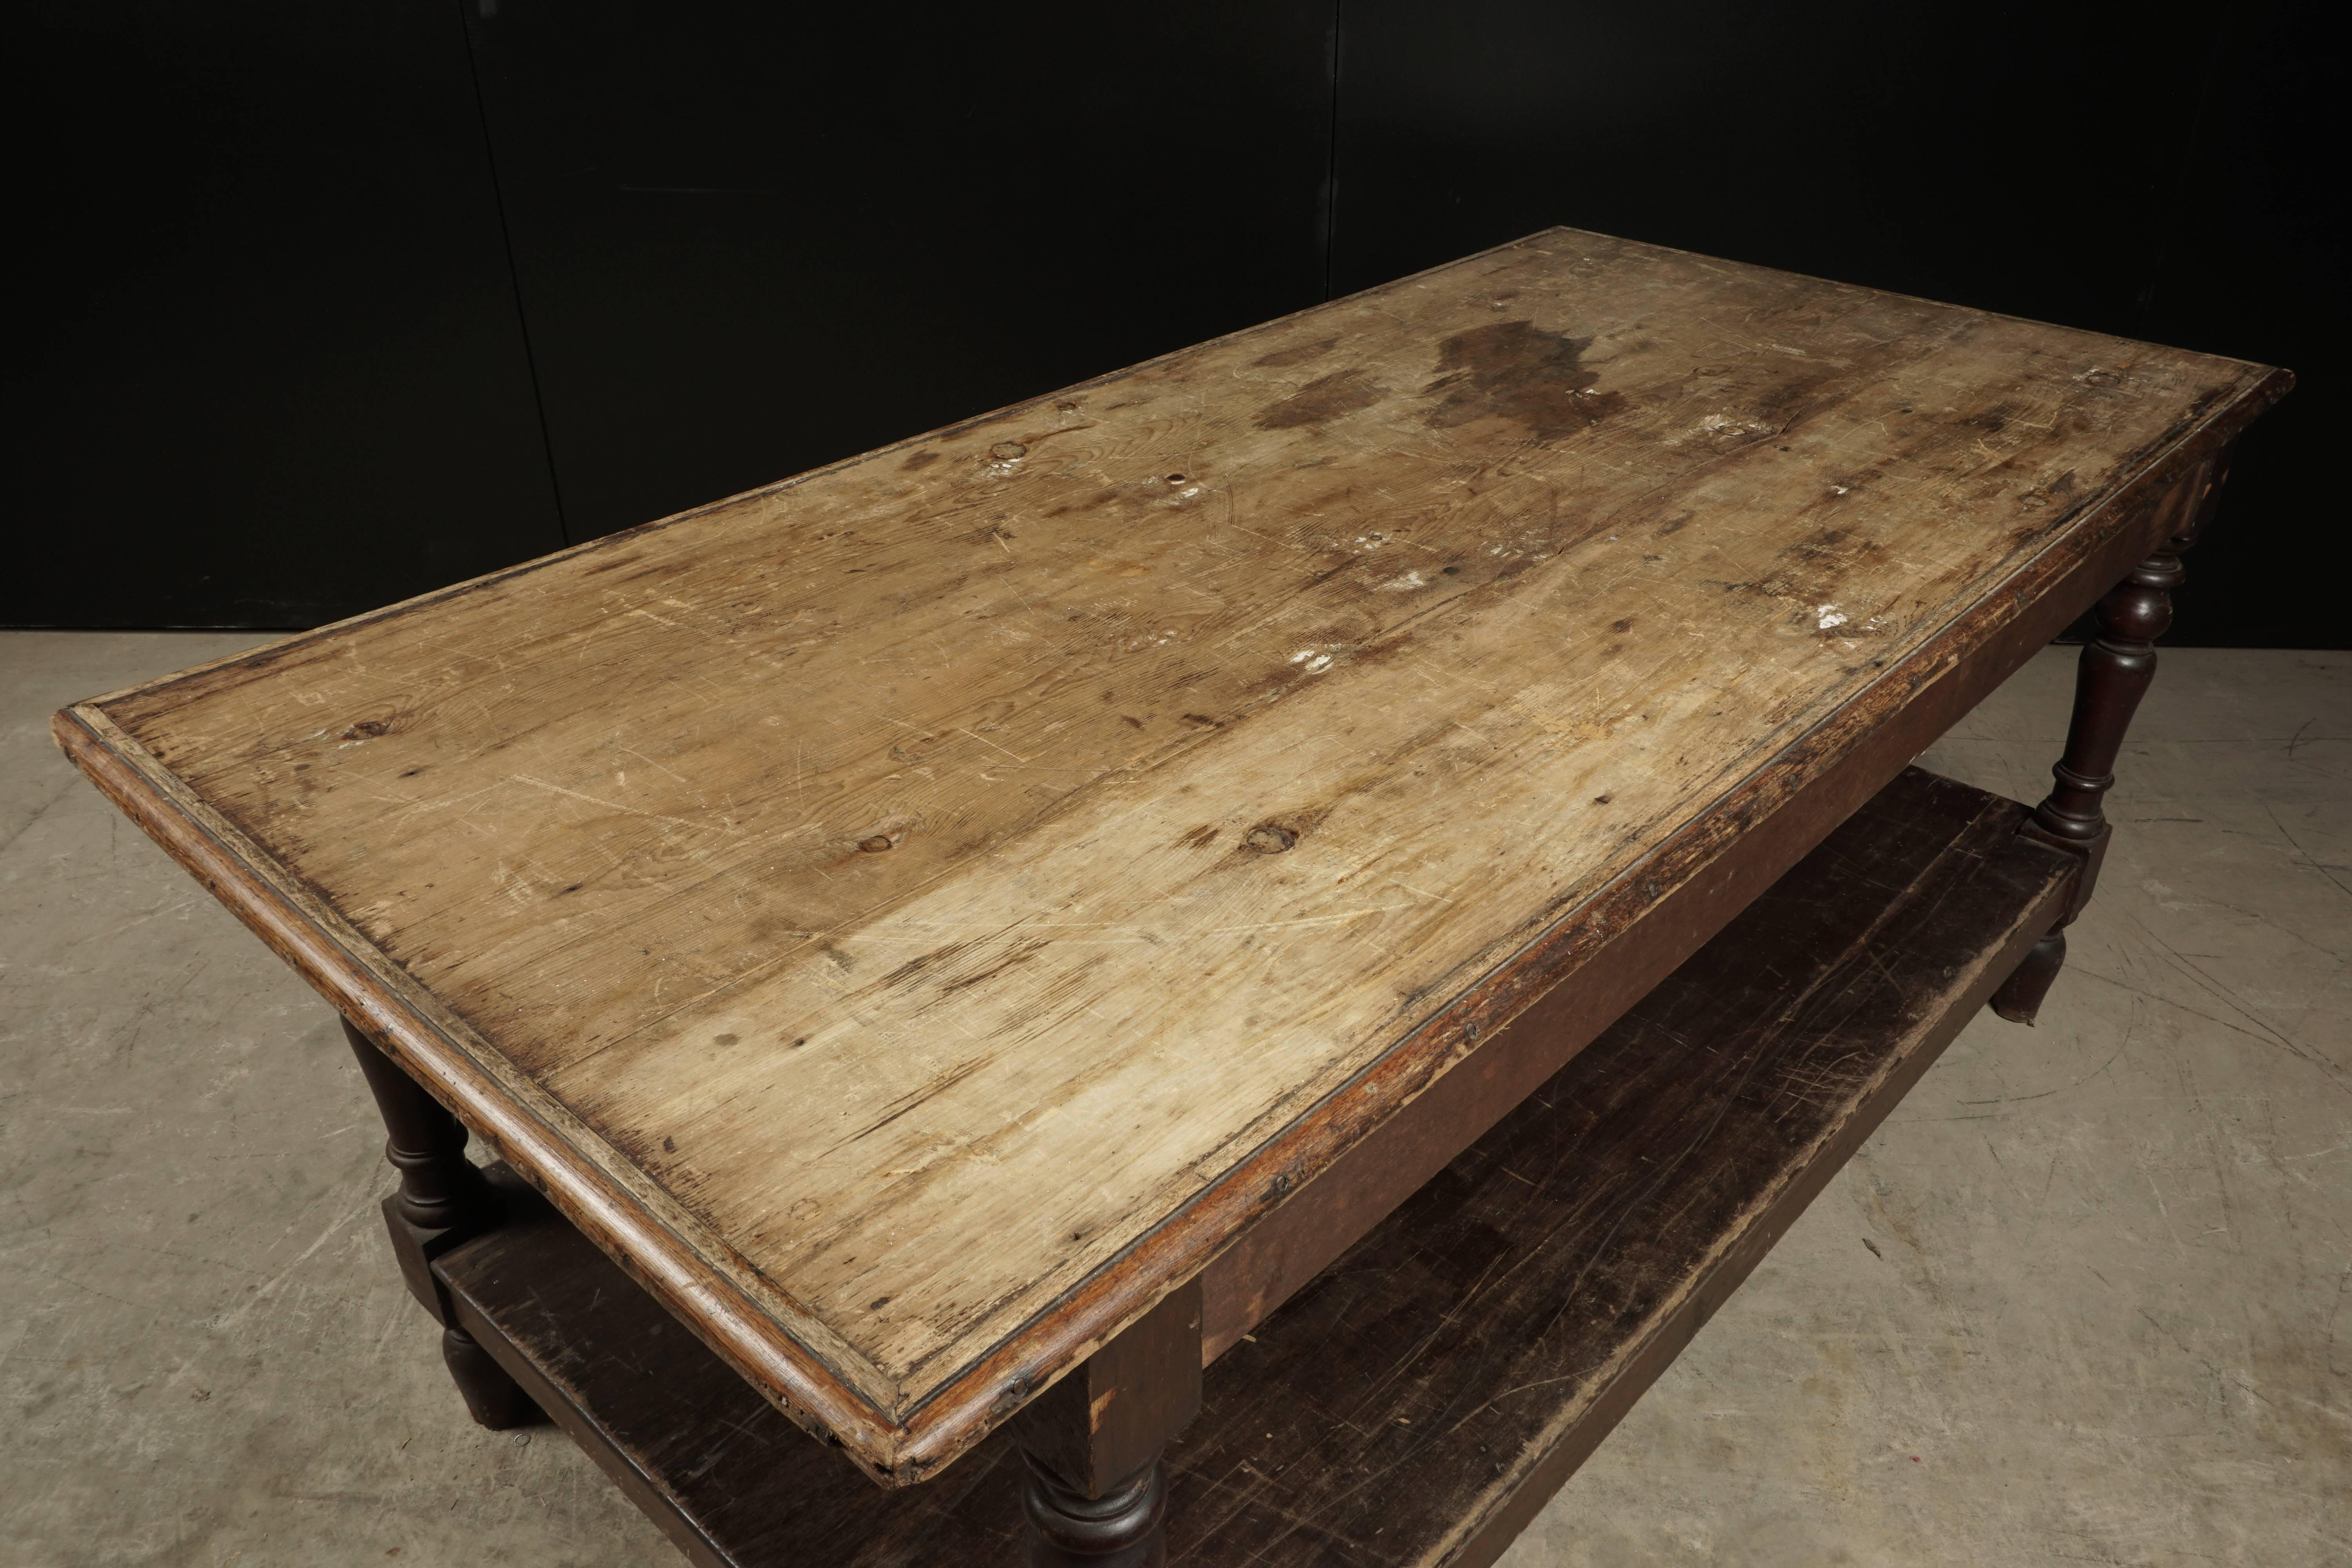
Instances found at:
x=793 y=1357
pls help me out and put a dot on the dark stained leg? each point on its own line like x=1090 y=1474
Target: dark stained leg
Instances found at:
x=2111 y=678
x=1126 y=1527
x=1097 y=1484
x=441 y=1201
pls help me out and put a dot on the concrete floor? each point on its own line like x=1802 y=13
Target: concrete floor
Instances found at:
x=2086 y=1298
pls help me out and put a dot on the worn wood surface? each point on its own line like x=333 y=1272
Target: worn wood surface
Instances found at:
x=919 y=913
x=1424 y=1394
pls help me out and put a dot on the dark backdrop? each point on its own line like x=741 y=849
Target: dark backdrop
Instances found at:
x=269 y=368
x=332 y=305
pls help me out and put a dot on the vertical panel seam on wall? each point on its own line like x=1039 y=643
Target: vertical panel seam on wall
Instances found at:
x=2160 y=206
x=1331 y=165
x=514 y=275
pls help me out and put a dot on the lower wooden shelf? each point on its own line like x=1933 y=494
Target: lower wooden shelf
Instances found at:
x=1423 y=1398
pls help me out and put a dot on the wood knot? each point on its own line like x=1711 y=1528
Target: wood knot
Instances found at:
x=1006 y=451
x=1269 y=838
x=368 y=730
x=876 y=844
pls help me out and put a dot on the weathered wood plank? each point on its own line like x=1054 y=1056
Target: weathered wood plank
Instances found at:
x=886 y=898
x=1424 y=1394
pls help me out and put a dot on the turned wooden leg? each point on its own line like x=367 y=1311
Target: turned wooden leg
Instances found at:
x=2109 y=681
x=1097 y=1489
x=442 y=1200
x=1126 y=1527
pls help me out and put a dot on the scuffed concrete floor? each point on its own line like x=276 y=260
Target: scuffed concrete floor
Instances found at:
x=2086 y=1298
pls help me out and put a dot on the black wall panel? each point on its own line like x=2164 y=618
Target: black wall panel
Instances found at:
x=753 y=239
x=329 y=305
x=2150 y=171
x=269 y=368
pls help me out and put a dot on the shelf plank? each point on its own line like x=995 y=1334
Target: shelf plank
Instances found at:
x=1420 y=1399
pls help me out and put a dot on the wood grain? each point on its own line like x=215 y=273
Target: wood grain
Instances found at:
x=919 y=913
x=1423 y=1397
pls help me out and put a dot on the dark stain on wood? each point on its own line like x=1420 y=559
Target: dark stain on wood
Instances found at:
x=1324 y=398
x=1509 y=370
x=1298 y=354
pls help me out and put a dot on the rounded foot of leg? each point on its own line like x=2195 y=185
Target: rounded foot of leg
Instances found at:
x=1124 y=1527
x=2020 y=995
x=496 y=1400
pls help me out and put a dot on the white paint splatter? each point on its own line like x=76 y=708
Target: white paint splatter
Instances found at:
x=1719 y=425
x=1316 y=662
x=1404 y=583
x=1829 y=616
